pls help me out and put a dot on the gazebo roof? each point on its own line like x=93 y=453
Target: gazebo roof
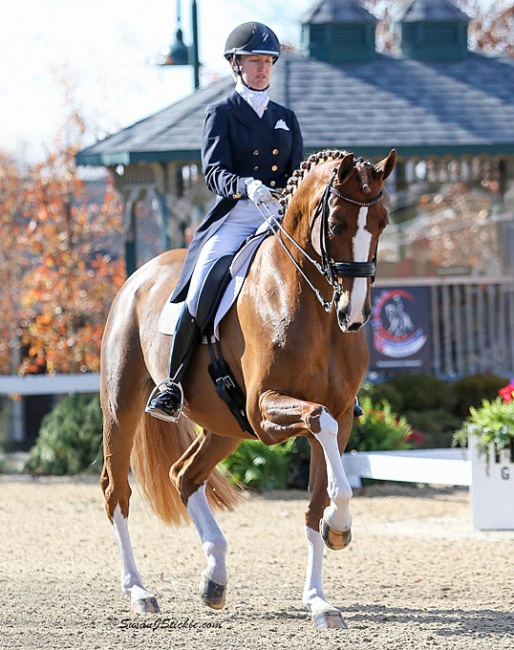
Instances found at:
x=419 y=108
x=435 y=98
x=345 y=11
x=432 y=10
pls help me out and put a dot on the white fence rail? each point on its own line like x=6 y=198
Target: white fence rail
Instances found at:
x=49 y=384
x=436 y=466
x=490 y=478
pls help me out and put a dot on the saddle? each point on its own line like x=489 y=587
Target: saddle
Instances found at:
x=232 y=280
x=219 y=292
x=227 y=388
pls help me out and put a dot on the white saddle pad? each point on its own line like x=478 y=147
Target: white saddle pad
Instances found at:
x=238 y=269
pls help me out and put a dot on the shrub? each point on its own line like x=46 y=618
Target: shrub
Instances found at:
x=471 y=390
x=379 y=429
x=436 y=426
x=493 y=422
x=70 y=438
x=383 y=391
x=260 y=467
x=423 y=393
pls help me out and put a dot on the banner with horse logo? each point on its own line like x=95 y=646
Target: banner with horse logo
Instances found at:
x=399 y=335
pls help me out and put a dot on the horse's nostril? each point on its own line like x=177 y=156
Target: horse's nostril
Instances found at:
x=355 y=327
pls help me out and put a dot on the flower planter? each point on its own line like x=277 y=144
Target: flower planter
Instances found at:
x=492 y=486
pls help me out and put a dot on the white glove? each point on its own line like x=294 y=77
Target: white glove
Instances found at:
x=258 y=192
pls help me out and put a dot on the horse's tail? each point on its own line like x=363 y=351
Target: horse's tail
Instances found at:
x=157 y=445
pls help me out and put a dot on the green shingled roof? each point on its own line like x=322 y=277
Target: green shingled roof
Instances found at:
x=343 y=11
x=420 y=108
x=432 y=10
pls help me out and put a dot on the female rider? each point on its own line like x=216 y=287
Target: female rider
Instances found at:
x=250 y=147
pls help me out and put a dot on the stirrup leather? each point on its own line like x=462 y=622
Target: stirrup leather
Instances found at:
x=160 y=388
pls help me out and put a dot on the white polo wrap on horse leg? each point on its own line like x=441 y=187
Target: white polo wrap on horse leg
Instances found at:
x=214 y=543
x=131 y=581
x=337 y=514
x=323 y=613
x=313 y=596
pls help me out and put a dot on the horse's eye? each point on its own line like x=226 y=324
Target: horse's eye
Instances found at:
x=337 y=228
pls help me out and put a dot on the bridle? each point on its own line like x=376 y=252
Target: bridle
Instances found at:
x=333 y=269
x=329 y=269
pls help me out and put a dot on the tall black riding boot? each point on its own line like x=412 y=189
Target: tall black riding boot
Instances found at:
x=167 y=400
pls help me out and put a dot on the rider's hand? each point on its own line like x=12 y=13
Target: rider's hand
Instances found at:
x=258 y=192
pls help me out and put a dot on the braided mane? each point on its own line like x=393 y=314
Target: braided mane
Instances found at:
x=305 y=167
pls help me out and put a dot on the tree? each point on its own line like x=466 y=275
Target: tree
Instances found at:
x=74 y=273
x=12 y=260
x=494 y=31
x=490 y=29
x=61 y=256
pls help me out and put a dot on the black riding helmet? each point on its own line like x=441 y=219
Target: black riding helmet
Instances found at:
x=252 y=38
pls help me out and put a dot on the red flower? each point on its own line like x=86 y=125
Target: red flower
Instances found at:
x=507 y=392
x=415 y=437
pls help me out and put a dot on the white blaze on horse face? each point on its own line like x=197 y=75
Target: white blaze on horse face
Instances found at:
x=361 y=247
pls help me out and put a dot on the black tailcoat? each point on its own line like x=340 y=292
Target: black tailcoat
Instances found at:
x=238 y=144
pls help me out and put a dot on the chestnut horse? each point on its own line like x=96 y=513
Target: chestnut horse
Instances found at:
x=299 y=363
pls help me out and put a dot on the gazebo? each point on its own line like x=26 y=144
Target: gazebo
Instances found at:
x=448 y=112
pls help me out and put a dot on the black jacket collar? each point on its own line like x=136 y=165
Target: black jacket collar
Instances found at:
x=245 y=114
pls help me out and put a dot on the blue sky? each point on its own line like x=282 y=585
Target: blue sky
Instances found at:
x=109 y=49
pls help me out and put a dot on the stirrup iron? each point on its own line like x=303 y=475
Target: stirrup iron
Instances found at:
x=161 y=387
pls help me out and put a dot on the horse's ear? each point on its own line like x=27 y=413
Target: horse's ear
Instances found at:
x=386 y=166
x=346 y=168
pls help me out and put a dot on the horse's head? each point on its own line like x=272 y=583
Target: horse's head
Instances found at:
x=343 y=198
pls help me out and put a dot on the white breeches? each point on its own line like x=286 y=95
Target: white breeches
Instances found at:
x=241 y=222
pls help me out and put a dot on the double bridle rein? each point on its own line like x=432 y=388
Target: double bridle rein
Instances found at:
x=328 y=268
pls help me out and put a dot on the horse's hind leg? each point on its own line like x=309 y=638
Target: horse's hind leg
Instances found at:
x=116 y=488
x=122 y=397
x=190 y=474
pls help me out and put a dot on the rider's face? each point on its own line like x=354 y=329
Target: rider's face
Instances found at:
x=255 y=70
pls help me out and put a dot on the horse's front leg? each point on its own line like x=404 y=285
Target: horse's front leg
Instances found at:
x=323 y=613
x=329 y=487
x=190 y=474
x=283 y=417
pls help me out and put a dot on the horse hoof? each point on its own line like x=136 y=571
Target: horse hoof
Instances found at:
x=334 y=539
x=146 y=606
x=212 y=593
x=330 y=618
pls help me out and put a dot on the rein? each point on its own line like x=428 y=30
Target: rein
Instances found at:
x=329 y=269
